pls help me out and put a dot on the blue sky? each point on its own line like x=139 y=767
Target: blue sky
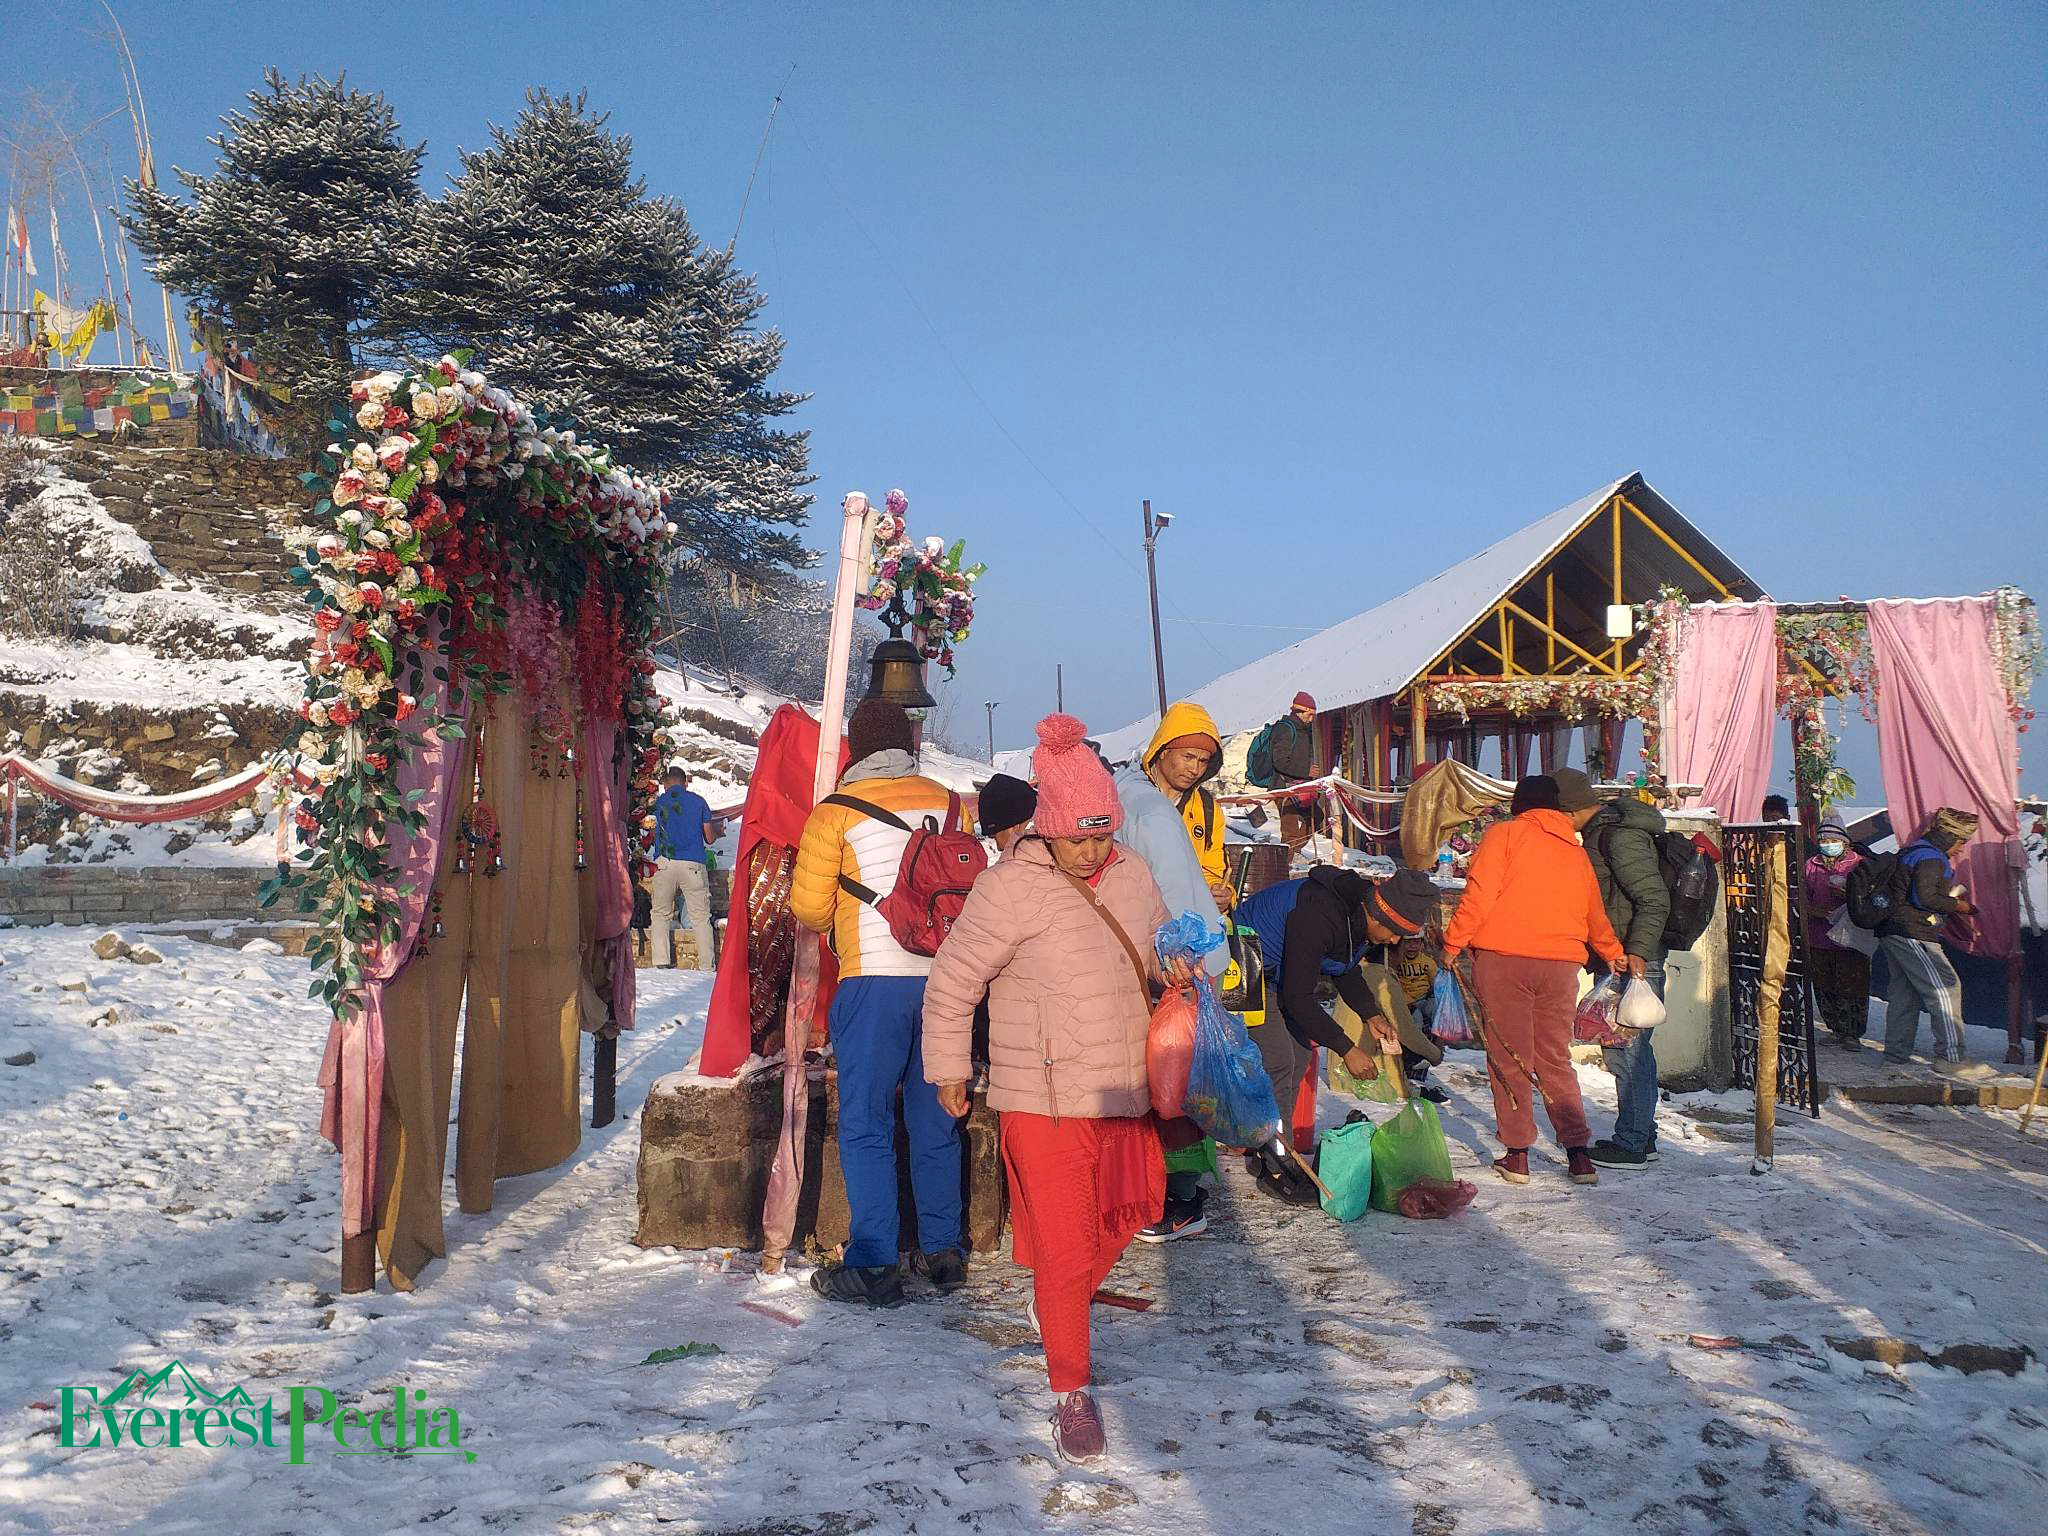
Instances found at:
x=1351 y=290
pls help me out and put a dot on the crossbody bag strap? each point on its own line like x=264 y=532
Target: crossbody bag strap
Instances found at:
x=888 y=818
x=1115 y=927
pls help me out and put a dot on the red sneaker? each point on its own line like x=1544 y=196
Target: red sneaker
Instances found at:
x=1580 y=1162
x=1077 y=1428
x=1513 y=1166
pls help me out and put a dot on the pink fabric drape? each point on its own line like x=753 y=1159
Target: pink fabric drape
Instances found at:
x=604 y=844
x=352 y=1067
x=1723 y=723
x=1947 y=738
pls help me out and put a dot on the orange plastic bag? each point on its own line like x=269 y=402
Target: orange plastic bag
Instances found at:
x=1170 y=1050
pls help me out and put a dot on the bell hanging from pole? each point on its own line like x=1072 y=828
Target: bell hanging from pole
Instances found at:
x=896 y=673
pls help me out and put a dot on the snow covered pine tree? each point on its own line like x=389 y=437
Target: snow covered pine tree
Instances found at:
x=288 y=245
x=593 y=300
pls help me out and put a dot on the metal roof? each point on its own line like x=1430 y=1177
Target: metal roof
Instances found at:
x=1380 y=652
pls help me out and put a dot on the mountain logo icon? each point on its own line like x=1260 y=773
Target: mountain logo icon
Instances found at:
x=140 y=1386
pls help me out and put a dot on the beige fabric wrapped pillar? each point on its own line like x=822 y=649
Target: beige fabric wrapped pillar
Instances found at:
x=421 y=1008
x=502 y=741
x=541 y=1007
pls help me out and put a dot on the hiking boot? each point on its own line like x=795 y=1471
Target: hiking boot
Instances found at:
x=1077 y=1428
x=1434 y=1093
x=1611 y=1154
x=1289 y=1188
x=946 y=1270
x=1581 y=1166
x=1513 y=1166
x=1181 y=1218
x=881 y=1286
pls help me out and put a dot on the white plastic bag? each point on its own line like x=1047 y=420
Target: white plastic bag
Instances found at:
x=1846 y=933
x=1640 y=1007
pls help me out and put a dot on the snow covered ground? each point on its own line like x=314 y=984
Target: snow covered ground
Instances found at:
x=165 y=1196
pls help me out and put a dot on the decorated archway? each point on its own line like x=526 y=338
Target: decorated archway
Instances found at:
x=483 y=734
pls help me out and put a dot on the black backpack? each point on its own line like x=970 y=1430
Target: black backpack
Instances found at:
x=1692 y=879
x=1877 y=890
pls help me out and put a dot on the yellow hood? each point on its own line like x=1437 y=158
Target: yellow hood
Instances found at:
x=1185 y=719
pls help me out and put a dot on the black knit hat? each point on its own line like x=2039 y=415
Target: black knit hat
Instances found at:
x=1006 y=802
x=879 y=726
x=1404 y=902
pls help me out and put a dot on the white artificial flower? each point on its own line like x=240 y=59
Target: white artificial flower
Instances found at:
x=377 y=480
x=351 y=600
x=351 y=518
x=408 y=578
x=430 y=470
x=363 y=456
x=370 y=415
x=376 y=538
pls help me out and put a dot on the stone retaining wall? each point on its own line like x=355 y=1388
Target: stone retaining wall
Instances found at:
x=38 y=895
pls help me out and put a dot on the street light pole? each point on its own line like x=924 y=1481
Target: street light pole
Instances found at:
x=1154 y=526
x=991 y=708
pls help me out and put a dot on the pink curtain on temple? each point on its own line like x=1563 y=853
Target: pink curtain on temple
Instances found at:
x=604 y=842
x=1724 y=708
x=352 y=1068
x=1946 y=737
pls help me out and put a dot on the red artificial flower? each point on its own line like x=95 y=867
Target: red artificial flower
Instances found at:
x=366 y=563
x=328 y=620
x=359 y=629
x=341 y=712
x=305 y=709
x=394 y=417
x=346 y=652
x=407 y=610
x=359 y=391
x=387 y=562
x=307 y=822
x=377 y=761
x=406 y=705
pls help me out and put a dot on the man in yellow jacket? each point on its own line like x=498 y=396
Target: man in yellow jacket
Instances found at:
x=1182 y=756
x=877 y=1018
x=1180 y=759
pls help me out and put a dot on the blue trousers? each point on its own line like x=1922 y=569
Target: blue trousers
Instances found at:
x=878 y=1039
x=1635 y=1081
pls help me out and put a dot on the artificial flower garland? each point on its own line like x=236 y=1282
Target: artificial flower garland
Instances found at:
x=938 y=591
x=448 y=505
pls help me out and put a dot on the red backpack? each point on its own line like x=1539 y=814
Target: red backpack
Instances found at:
x=938 y=866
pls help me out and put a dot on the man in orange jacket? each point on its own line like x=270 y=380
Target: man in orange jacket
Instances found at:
x=877 y=1017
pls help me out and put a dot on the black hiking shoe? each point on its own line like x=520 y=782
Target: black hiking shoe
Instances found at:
x=878 y=1287
x=1432 y=1092
x=946 y=1270
x=1608 y=1154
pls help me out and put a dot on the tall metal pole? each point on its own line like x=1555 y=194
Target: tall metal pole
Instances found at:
x=991 y=708
x=1059 y=686
x=1152 y=583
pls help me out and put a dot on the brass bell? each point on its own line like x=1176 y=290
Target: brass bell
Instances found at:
x=896 y=673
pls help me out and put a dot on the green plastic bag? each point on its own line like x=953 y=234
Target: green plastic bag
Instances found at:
x=1379 y=1090
x=1199 y=1158
x=1408 y=1147
x=1345 y=1163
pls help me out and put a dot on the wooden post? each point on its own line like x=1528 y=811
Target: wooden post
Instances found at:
x=2034 y=1098
x=785 y=1177
x=1770 y=994
x=1418 y=730
x=604 y=1080
x=359 y=1262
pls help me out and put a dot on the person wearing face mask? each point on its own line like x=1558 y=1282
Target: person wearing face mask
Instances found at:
x=1060 y=935
x=1840 y=976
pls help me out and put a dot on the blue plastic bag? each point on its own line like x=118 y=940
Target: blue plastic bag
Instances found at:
x=1229 y=1095
x=1453 y=1022
x=1344 y=1164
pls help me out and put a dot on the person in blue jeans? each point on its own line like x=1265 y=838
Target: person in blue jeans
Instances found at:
x=1621 y=841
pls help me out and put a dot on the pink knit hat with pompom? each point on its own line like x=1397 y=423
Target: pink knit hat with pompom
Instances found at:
x=1075 y=795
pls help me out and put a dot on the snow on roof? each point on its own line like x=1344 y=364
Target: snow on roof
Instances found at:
x=1381 y=651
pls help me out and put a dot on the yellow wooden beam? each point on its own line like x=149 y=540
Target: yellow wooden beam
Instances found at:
x=1550 y=621
x=1616 y=506
x=1677 y=548
x=1563 y=639
x=1506 y=653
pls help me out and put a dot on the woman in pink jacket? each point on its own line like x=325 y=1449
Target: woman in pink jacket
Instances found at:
x=1058 y=934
